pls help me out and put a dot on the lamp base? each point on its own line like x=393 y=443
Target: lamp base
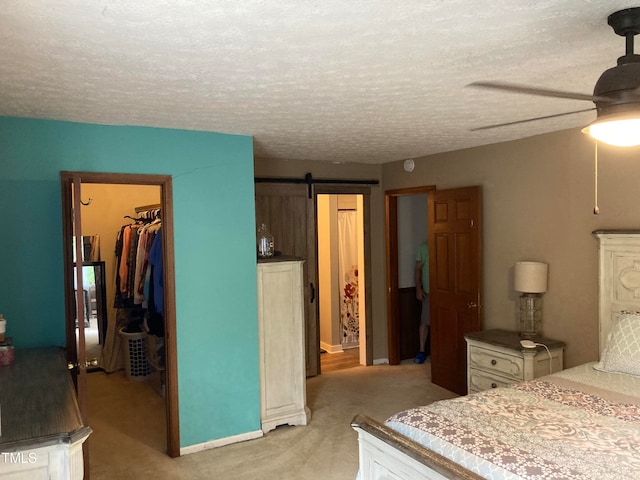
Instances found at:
x=530 y=315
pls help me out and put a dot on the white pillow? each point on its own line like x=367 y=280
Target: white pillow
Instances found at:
x=622 y=352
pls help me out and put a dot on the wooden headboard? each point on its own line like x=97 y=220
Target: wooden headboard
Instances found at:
x=619 y=276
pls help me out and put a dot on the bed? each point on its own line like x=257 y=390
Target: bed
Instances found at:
x=580 y=423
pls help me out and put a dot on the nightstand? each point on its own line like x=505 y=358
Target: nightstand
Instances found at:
x=495 y=358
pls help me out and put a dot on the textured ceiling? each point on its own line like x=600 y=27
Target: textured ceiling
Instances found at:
x=346 y=81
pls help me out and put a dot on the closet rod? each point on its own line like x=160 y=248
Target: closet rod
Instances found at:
x=148 y=207
x=310 y=181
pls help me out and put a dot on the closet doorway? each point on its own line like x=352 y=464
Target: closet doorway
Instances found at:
x=92 y=204
x=341 y=286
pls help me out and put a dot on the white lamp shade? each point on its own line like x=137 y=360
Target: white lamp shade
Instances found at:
x=530 y=277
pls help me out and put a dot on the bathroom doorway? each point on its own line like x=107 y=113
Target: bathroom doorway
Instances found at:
x=341 y=285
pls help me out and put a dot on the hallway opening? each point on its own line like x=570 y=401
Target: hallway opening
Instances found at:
x=342 y=318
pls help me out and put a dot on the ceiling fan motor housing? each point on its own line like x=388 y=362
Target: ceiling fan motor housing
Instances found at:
x=620 y=84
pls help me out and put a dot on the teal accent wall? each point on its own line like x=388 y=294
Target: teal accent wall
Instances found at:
x=215 y=261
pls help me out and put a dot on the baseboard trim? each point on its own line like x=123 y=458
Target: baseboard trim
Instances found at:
x=381 y=361
x=221 y=442
x=331 y=348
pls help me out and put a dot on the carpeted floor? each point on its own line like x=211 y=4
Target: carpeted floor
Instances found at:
x=128 y=439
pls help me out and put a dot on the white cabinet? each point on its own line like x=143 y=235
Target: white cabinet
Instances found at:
x=42 y=429
x=59 y=461
x=283 y=394
x=495 y=359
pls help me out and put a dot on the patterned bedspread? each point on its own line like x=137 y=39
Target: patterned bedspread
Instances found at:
x=577 y=424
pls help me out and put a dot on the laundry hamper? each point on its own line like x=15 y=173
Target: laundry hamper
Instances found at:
x=135 y=355
x=155 y=358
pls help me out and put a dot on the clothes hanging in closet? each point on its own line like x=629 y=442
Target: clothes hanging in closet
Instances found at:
x=136 y=275
x=155 y=259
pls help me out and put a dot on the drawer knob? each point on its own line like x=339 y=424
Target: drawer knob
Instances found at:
x=494 y=385
x=493 y=362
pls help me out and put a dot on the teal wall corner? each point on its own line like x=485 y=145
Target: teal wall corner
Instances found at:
x=215 y=264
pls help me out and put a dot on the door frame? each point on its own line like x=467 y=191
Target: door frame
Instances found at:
x=168 y=260
x=322 y=189
x=391 y=230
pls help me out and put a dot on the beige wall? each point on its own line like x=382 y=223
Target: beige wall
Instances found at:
x=538 y=205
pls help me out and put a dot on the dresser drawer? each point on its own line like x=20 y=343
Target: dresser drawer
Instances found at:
x=496 y=358
x=491 y=361
x=480 y=380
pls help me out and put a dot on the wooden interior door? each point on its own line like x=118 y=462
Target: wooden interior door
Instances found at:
x=455 y=281
x=289 y=215
x=393 y=309
x=74 y=303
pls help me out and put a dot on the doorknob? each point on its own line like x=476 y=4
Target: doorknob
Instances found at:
x=313 y=292
x=472 y=305
x=89 y=363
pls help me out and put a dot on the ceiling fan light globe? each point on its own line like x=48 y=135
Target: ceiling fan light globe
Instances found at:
x=618 y=132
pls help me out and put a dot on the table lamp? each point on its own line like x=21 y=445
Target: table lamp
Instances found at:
x=530 y=279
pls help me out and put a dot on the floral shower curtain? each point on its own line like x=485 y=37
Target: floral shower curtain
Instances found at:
x=348 y=271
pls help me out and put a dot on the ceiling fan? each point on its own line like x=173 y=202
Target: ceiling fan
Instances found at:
x=616 y=94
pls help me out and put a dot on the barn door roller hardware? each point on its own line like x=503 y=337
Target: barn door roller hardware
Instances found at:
x=310 y=181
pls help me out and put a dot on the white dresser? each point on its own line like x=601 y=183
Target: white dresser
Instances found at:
x=495 y=358
x=42 y=432
x=283 y=393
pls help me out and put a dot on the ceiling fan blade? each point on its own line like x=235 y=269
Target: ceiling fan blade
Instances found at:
x=543 y=92
x=531 y=119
